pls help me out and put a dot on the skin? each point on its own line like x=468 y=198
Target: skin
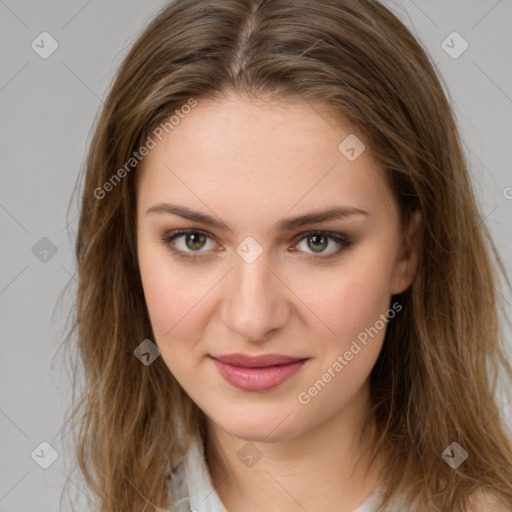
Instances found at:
x=252 y=163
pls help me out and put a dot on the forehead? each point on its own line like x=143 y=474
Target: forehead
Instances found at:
x=256 y=153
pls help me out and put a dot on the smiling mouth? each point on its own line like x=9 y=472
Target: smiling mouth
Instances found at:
x=260 y=373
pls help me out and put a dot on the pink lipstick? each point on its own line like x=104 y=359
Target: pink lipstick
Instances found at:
x=257 y=373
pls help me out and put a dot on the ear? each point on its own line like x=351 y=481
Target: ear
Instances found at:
x=406 y=265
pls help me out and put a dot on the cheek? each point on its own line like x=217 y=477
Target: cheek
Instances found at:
x=352 y=304
x=174 y=297
x=352 y=297
x=169 y=309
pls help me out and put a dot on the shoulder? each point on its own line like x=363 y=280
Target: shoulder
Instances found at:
x=483 y=501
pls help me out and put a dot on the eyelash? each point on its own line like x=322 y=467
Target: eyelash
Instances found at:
x=339 y=238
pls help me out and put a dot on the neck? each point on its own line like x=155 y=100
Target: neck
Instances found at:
x=324 y=468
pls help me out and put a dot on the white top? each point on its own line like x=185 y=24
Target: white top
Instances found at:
x=192 y=485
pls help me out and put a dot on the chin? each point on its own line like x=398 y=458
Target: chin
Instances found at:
x=263 y=424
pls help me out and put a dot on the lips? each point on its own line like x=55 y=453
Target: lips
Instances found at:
x=263 y=361
x=257 y=373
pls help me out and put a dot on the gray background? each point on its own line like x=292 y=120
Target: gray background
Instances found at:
x=48 y=107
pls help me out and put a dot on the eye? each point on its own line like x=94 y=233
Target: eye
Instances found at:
x=194 y=240
x=318 y=241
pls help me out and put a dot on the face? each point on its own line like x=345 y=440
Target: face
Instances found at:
x=226 y=271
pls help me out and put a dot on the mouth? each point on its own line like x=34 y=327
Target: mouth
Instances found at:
x=257 y=373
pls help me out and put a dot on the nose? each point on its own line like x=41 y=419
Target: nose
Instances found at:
x=255 y=300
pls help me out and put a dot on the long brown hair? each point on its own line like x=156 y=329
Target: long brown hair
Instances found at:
x=435 y=381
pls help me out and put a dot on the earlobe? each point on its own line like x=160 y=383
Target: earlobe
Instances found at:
x=406 y=265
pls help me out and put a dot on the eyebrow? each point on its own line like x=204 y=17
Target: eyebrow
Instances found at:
x=288 y=224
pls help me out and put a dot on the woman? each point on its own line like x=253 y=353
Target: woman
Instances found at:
x=287 y=298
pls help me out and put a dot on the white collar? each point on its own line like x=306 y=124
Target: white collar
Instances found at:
x=197 y=488
x=193 y=484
